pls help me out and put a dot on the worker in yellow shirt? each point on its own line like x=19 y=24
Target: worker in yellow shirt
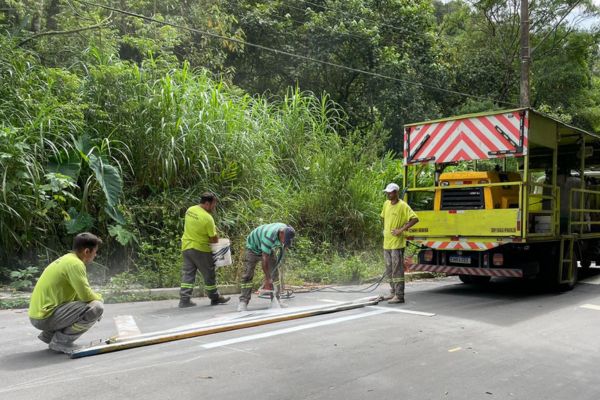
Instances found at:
x=62 y=305
x=198 y=233
x=398 y=217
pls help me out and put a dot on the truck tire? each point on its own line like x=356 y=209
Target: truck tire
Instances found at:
x=572 y=282
x=465 y=279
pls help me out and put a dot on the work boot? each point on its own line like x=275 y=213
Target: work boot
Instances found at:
x=243 y=306
x=185 y=303
x=396 y=300
x=66 y=348
x=386 y=296
x=46 y=337
x=219 y=300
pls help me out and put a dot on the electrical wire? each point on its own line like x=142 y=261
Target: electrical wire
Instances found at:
x=293 y=55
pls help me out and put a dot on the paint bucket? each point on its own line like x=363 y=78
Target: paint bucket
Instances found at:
x=221 y=252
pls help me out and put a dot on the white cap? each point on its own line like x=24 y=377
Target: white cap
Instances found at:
x=391 y=188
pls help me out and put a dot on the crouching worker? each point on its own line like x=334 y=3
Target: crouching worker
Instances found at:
x=63 y=306
x=262 y=245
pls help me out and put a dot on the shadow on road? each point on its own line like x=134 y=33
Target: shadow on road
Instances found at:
x=505 y=301
x=32 y=360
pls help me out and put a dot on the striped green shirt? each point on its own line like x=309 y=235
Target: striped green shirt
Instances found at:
x=265 y=238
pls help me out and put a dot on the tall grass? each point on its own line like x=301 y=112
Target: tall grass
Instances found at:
x=174 y=132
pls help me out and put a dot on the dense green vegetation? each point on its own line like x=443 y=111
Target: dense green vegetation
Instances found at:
x=116 y=124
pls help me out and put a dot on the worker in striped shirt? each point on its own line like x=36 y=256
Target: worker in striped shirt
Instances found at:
x=262 y=245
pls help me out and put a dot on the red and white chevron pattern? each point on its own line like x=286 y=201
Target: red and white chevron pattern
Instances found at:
x=460 y=245
x=444 y=269
x=466 y=139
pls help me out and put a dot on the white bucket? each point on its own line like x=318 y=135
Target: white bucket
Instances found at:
x=221 y=252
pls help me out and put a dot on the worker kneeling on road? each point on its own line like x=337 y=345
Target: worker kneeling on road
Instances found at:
x=198 y=232
x=261 y=245
x=398 y=217
x=63 y=306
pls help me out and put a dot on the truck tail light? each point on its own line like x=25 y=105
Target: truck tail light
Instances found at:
x=427 y=255
x=498 y=259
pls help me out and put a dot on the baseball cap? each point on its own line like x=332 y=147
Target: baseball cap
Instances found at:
x=289 y=234
x=391 y=187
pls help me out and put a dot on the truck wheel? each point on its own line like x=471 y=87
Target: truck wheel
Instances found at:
x=474 y=279
x=571 y=283
x=480 y=280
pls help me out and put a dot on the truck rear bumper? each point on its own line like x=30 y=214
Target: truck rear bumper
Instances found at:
x=450 y=270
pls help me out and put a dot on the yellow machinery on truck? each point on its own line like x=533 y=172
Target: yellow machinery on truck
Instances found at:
x=510 y=193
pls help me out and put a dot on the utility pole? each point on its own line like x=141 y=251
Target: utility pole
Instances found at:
x=525 y=53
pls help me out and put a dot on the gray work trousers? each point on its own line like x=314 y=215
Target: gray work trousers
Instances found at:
x=195 y=260
x=394 y=270
x=250 y=261
x=69 y=321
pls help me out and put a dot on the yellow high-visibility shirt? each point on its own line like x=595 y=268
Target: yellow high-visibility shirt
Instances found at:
x=63 y=281
x=394 y=216
x=199 y=226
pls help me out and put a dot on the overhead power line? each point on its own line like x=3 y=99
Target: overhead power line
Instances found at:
x=289 y=54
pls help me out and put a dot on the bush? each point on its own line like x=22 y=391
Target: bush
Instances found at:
x=24 y=279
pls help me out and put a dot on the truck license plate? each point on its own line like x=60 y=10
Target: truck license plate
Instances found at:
x=460 y=259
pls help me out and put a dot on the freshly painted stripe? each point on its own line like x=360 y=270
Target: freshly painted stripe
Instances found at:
x=402 y=311
x=593 y=280
x=292 y=329
x=591 y=307
x=156 y=338
x=126 y=326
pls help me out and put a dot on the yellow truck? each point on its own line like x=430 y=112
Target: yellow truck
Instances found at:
x=510 y=193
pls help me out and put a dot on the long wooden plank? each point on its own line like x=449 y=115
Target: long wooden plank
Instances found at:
x=162 y=337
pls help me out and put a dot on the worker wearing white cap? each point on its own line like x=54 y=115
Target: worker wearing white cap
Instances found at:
x=398 y=217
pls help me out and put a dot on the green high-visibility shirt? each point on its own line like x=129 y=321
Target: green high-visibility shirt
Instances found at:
x=63 y=281
x=199 y=227
x=394 y=216
x=265 y=238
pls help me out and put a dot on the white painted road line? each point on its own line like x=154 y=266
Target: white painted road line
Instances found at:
x=293 y=329
x=126 y=326
x=399 y=310
x=592 y=280
x=591 y=307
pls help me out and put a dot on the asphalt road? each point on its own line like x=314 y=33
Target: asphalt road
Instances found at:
x=505 y=341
